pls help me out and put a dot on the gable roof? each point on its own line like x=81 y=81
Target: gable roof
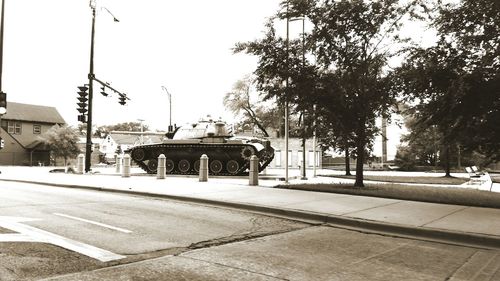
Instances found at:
x=132 y=138
x=124 y=138
x=33 y=113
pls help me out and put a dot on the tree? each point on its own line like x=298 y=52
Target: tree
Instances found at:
x=347 y=46
x=106 y=129
x=239 y=102
x=62 y=141
x=126 y=126
x=470 y=32
x=351 y=39
x=454 y=85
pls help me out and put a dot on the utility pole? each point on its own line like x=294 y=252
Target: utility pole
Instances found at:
x=92 y=78
x=3 y=96
x=1 y=43
x=88 y=144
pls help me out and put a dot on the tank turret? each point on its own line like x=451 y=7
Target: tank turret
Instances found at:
x=228 y=154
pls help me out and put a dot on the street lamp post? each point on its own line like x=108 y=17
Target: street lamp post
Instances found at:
x=286 y=96
x=286 y=92
x=304 y=177
x=88 y=144
x=170 y=128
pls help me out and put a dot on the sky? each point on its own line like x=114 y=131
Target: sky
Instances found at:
x=184 y=46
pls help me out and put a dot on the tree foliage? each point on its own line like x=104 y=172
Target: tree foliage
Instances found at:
x=455 y=84
x=345 y=75
x=62 y=141
x=239 y=102
x=106 y=129
x=350 y=42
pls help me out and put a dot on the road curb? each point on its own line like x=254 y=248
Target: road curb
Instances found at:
x=368 y=226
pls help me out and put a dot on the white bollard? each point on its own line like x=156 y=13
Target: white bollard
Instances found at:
x=204 y=168
x=118 y=164
x=161 y=171
x=80 y=163
x=254 y=170
x=126 y=166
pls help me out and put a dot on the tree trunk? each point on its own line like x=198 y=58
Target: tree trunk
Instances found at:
x=347 y=161
x=360 y=151
x=447 y=161
x=303 y=168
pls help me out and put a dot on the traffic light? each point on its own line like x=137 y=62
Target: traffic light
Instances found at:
x=122 y=100
x=82 y=103
x=82 y=118
x=2 y=143
x=3 y=102
x=103 y=91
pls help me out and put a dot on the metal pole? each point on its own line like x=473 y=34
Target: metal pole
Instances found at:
x=1 y=50
x=304 y=177
x=88 y=146
x=170 y=108
x=286 y=97
x=1 y=43
x=384 y=141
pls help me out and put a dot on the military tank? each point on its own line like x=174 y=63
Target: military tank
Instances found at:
x=227 y=154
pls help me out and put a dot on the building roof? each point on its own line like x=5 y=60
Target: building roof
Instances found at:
x=124 y=138
x=33 y=113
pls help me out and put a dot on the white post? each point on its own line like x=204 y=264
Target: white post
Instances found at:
x=118 y=164
x=80 y=164
x=314 y=143
x=254 y=171
x=204 y=168
x=126 y=166
x=161 y=170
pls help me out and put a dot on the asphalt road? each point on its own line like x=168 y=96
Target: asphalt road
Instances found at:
x=74 y=234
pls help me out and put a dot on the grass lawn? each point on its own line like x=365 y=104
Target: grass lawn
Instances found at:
x=402 y=179
x=445 y=195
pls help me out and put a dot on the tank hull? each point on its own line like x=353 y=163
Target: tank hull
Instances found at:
x=226 y=158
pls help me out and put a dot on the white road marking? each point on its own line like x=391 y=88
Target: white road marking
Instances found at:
x=28 y=233
x=94 y=222
x=16 y=237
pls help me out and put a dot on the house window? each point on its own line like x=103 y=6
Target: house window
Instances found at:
x=277 y=158
x=14 y=127
x=37 y=129
x=311 y=158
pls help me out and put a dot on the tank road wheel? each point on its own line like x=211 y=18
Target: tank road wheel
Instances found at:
x=169 y=165
x=196 y=166
x=216 y=166
x=232 y=167
x=138 y=154
x=152 y=165
x=184 y=166
x=246 y=153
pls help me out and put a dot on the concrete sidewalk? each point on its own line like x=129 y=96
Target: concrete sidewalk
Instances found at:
x=437 y=222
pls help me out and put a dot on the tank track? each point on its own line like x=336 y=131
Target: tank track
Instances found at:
x=152 y=151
